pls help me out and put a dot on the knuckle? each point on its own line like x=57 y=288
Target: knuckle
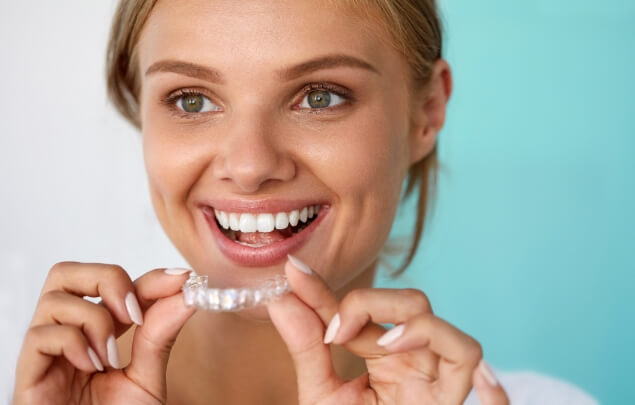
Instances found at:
x=32 y=335
x=116 y=273
x=355 y=299
x=418 y=299
x=72 y=335
x=60 y=267
x=473 y=352
x=49 y=298
x=422 y=321
x=103 y=318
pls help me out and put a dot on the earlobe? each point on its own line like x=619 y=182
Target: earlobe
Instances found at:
x=428 y=114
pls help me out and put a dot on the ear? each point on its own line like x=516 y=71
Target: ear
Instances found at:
x=428 y=111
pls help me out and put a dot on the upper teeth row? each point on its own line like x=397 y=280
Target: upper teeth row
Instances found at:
x=247 y=222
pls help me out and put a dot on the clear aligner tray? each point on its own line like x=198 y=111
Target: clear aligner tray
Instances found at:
x=196 y=294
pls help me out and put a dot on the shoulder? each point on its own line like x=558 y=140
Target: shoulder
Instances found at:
x=530 y=388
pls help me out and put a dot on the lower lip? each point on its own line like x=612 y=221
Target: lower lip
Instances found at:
x=265 y=255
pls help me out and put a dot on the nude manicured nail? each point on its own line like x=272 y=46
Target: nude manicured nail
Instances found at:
x=390 y=336
x=95 y=359
x=488 y=373
x=298 y=264
x=176 y=271
x=332 y=329
x=134 y=310
x=113 y=352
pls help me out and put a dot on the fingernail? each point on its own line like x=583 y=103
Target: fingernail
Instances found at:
x=391 y=335
x=176 y=271
x=113 y=352
x=132 y=305
x=95 y=359
x=332 y=329
x=299 y=265
x=488 y=373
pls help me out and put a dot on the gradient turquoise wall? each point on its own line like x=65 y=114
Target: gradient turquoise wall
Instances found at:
x=531 y=246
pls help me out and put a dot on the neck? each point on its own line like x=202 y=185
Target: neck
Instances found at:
x=219 y=355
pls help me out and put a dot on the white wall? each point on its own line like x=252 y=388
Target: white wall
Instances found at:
x=71 y=170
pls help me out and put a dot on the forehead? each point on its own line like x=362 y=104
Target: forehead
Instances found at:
x=261 y=34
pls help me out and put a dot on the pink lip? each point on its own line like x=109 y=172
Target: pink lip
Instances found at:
x=266 y=255
x=261 y=206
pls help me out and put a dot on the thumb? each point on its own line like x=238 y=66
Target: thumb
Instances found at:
x=303 y=332
x=162 y=322
x=487 y=387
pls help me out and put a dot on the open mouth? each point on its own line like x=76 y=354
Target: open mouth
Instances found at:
x=259 y=230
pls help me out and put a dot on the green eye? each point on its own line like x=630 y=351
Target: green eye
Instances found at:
x=195 y=103
x=192 y=103
x=320 y=99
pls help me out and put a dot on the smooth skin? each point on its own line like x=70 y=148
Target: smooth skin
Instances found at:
x=258 y=139
x=432 y=362
x=55 y=367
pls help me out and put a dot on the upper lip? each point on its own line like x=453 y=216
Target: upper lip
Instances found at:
x=262 y=206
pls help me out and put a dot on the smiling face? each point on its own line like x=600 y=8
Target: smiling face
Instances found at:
x=268 y=107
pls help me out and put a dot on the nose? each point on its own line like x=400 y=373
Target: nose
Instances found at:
x=250 y=156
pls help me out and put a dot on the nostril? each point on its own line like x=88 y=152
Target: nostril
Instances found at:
x=250 y=166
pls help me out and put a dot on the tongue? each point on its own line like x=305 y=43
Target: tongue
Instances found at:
x=260 y=238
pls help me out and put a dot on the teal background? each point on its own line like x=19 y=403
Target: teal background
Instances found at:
x=530 y=247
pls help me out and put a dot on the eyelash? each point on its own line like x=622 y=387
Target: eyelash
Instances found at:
x=171 y=100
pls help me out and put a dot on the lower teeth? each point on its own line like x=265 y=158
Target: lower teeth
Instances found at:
x=253 y=245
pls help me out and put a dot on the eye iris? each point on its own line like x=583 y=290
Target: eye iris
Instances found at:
x=192 y=103
x=319 y=99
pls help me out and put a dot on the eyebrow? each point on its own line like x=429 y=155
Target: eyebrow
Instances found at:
x=289 y=73
x=187 y=69
x=324 y=62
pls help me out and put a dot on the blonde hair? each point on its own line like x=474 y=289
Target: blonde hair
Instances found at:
x=415 y=29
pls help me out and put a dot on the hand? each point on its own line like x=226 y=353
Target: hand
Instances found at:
x=427 y=361
x=71 y=340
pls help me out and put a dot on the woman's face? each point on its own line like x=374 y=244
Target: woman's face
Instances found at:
x=266 y=108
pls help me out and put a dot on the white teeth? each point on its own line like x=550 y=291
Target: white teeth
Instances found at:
x=234 y=222
x=282 y=220
x=224 y=221
x=265 y=222
x=248 y=223
x=294 y=217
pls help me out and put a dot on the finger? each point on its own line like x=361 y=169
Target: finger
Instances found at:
x=459 y=353
x=93 y=320
x=108 y=281
x=379 y=305
x=302 y=331
x=487 y=387
x=159 y=283
x=43 y=344
x=163 y=320
x=385 y=305
x=314 y=292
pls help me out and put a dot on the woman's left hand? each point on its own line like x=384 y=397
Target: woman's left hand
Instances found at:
x=422 y=360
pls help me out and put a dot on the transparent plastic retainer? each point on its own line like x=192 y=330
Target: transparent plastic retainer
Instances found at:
x=196 y=294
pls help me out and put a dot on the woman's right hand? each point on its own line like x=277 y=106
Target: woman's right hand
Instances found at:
x=71 y=340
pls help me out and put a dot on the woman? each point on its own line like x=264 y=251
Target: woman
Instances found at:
x=251 y=114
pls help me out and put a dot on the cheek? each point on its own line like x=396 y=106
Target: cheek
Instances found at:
x=365 y=168
x=369 y=160
x=172 y=166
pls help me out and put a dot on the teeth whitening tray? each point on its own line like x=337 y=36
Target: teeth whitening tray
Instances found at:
x=196 y=294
